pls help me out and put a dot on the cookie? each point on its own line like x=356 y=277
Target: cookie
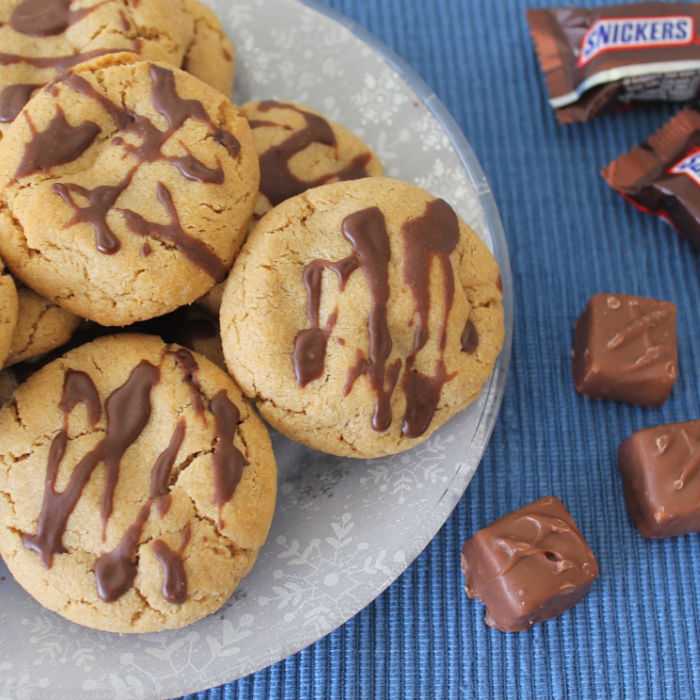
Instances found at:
x=8 y=312
x=41 y=326
x=126 y=188
x=41 y=38
x=298 y=148
x=361 y=316
x=136 y=485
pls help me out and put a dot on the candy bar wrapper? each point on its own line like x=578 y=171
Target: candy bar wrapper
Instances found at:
x=598 y=59
x=662 y=175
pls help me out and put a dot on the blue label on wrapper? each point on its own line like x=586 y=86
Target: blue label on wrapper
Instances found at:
x=634 y=33
x=690 y=166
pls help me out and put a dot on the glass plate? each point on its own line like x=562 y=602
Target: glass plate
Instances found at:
x=343 y=529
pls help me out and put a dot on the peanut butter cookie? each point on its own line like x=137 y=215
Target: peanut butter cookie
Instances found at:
x=361 y=316
x=136 y=485
x=126 y=188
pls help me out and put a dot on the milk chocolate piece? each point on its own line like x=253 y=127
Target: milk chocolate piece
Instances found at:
x=529 y=566
x=625 y=349
x=660 y=470
x=661 y=176
x=601 y=58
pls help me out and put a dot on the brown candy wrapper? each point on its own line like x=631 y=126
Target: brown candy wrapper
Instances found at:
x=662 y=175
x=599 y=59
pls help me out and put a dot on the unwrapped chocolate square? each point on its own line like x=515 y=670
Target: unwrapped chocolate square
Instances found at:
x=625 y=349
x=528 y=566
x=660 y=469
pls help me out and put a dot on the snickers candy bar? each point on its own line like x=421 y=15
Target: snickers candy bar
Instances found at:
x=660 y=470
x=597 y=59
x=661 y=176
x=625 y=349
x=528 y=566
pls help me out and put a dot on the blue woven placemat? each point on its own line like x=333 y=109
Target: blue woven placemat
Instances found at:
x=637 y=632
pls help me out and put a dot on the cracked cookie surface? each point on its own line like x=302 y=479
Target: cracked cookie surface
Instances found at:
x=137 y=485
x=41 y=38
x=361 y=316
x=145 y=180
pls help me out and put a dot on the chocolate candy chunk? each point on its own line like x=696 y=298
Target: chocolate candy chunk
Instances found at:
x=660 y=470
x=528 y=566
x=625 y=349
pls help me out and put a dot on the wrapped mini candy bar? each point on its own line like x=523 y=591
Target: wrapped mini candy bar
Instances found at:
x=662 y=175
x=597 y=59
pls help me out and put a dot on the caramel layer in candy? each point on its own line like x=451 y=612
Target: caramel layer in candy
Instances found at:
x=528 y=566
x=625 y=349
x=597 y=59
x=660 y=470
x=661 y=176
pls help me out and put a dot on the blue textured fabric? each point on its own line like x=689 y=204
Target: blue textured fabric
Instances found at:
x=637 y=632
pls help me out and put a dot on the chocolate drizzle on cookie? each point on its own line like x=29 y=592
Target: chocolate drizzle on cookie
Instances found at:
x=43 y=18
x=160 y=474
x=176 y=111
x=173 y=233
x=115 y=571
x=433 y=236
x=79 y=388
x=428 y=238
x=277 y=182
x=366 y=231
x=13 y=98
x=59 y=143
x=46 y=17
x=101 y=200
x=174 y=588
x=309 y=355
x=186 y=363
x=59 y=63
x=128 y=409
x=228 y=461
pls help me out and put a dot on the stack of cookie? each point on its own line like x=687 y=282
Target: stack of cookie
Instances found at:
x=359 y=313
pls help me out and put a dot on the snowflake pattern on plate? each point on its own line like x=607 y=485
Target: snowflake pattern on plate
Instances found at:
x=343 y=529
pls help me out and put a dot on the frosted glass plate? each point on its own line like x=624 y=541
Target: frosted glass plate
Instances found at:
x=343 y=529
